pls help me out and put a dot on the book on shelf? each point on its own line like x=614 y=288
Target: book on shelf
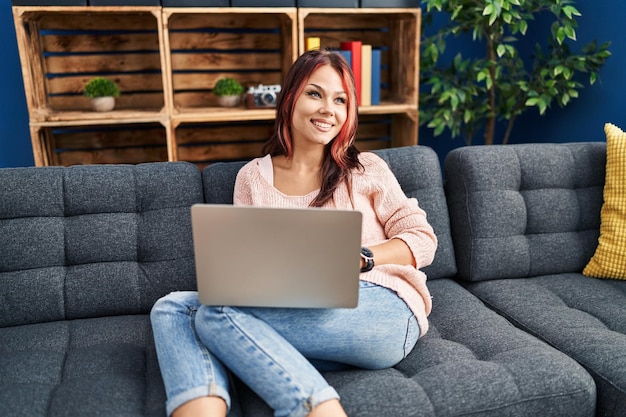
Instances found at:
x=355 y=49
x=375 y=80
x=366 y=75
x=347 y=55
x=312 y=42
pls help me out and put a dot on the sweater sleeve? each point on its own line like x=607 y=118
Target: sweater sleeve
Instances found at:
x=400 y=216
x=242 y=195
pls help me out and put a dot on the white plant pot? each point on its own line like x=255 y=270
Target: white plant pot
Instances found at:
x=229 y=101
x=103 y=103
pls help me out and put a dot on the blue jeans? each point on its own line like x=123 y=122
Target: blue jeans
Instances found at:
x=272 y=350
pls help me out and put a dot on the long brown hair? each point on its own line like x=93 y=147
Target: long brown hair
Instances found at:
x=340 y=155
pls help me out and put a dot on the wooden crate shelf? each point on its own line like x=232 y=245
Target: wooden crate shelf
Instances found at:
x=129 y=143
x=253 y=45
x=167 y=60
x=62 y=48
x=204 y=143
x=394 y=31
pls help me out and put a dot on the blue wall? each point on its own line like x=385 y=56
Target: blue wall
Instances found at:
x=582 y=120
x=15 y=146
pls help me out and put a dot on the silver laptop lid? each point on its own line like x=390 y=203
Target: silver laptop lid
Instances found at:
x=276 y=257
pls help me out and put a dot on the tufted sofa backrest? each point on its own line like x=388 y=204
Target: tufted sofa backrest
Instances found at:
x=524 y=210
x=90 y=241
x=418 y=171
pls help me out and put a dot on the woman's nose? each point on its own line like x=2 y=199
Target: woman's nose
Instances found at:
x=327 y=108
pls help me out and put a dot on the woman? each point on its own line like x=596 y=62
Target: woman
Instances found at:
x=311 y=161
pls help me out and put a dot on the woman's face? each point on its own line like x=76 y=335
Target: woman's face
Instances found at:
x=321 y=109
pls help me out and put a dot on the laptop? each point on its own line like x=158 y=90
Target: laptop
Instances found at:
x=276 y=257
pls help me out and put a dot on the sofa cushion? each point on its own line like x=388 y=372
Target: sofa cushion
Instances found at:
x=580 y=316
x=102 y=366
x=524 y=210
x=471 y=362
x=95 y=240
x=609 y=260
x=418 y=172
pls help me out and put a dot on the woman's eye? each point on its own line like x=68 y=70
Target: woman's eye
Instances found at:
x=314 y=93
x=341 y=100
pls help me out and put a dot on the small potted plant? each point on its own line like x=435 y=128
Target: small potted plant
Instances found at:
x=228 y=92
x=102 y=93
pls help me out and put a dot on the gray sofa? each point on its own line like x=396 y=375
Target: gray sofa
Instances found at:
x=86 y=251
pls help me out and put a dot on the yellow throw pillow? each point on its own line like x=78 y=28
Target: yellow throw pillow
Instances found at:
x=609 y=260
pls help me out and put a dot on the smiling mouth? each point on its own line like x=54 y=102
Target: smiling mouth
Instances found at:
x=323 y=125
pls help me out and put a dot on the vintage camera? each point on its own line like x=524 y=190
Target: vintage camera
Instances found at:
x=262 y=96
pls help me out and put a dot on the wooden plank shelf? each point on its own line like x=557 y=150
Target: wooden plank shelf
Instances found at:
x=224 y=114
x=166 y=61
x=77 y=118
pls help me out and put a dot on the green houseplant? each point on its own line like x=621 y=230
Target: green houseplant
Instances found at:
x=228 y=92
x=102 y=93
x=470 y=94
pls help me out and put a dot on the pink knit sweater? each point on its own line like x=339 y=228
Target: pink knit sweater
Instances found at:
x=387 y=213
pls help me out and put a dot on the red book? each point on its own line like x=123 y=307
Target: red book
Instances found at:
x=355 y=48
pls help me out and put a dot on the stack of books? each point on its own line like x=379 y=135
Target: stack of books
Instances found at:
x=365 y=63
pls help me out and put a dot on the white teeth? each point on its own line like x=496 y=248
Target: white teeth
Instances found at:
x=322 y=124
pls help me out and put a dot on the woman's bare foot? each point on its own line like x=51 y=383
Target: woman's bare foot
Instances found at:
x=202 y=407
